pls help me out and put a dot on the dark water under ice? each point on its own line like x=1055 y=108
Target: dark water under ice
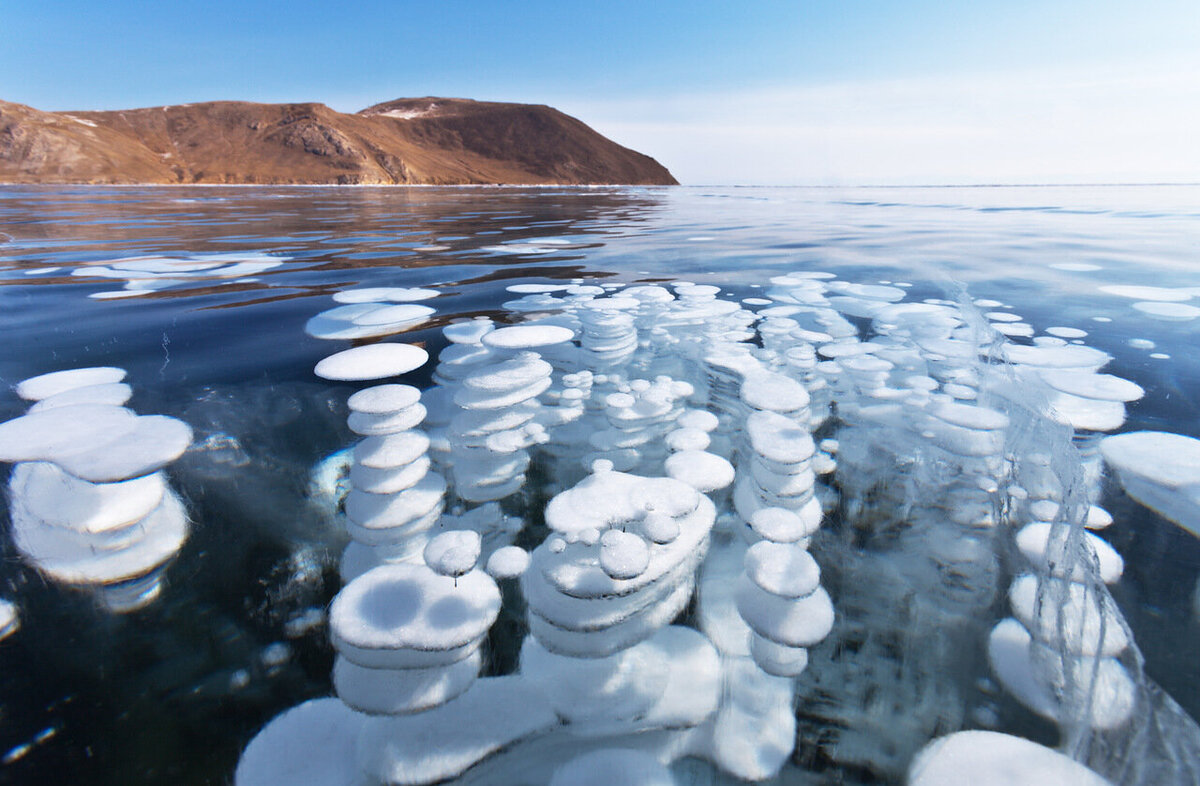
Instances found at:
x=171 y=693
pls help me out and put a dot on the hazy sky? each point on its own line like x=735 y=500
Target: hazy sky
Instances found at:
x=806 y=91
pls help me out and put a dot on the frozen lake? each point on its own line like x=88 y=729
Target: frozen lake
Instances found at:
x=993 y=311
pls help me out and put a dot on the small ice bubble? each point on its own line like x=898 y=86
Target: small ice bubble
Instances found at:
x=660 y=527
x=623 y=555
x=453 y=553
x=1160 y=356
x=9 y=620
x=1141 y=343
x=507 y=562
x=239 y=679
x=276 y=654
x=303 y=622
x=557 y=545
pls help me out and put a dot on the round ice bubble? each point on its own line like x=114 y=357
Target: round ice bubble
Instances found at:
x=507 y=562
x=56 y=382
x=988 y=758
x=623 y=555
x=453 y=553
x=373 y=361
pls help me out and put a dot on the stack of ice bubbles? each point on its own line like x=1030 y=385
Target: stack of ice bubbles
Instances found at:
x=779 y=533
x=395 y=500
x=89 y=501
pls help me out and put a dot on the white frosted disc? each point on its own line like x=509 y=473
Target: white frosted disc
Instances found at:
x=373 y=361
x=63 y=500
x=50 y=434
x=384 y=294
x=56 y=382
x=702 y=471
x=114 y=394
x=995 y=759
x=507 y=562
x=154 y=442
x=391 y=450
x=453 y=553
x=409 y=607
x=782 y=569
x=402 y=691
x=66 y=556
x=384 y=399
x=312 y=743
x=527 y=336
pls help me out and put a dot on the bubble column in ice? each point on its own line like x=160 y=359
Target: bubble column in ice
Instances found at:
x=776 y=471
x=619 y=566
x=90 y=504
x=395 y=499
x=638 y=416
x=498 y=402
x=780 y=597
x=458 y=359
x=1059 y=654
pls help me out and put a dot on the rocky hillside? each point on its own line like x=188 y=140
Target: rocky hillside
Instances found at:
x=441 y=141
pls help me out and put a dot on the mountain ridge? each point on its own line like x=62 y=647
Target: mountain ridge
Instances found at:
x=428 y=141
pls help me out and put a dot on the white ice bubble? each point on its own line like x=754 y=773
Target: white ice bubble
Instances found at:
x=56 y=382
x=1169 y=312
x=383 y=399
x=373 y=361
x=453 y=553
x=1161 y=294
x=507 y=562
x=384 y=294
x=527 y=336
x=623 y=555
x=783 y=569
x=995 y=759
x=10 y=619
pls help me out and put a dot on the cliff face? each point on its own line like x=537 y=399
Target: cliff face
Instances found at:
x=416 y=140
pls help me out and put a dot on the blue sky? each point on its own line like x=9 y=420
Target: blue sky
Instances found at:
x=807 y=91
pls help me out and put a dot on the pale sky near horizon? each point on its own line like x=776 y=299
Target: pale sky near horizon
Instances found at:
x=768 y=92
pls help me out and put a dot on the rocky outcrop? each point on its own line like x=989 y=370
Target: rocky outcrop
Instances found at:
x=439 y=141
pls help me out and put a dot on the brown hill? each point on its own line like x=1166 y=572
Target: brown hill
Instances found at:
x=443 y=141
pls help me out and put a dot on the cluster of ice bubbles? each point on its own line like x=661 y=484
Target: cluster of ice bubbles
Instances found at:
x=687 y=453
x=89 y=502
x=691 y=447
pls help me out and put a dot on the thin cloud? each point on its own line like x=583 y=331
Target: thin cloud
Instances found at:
x=1101 y=125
